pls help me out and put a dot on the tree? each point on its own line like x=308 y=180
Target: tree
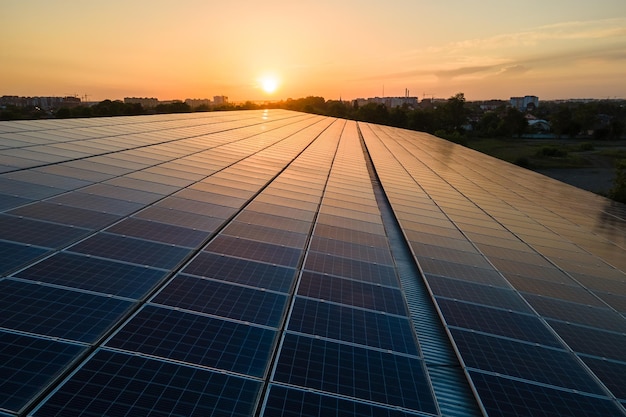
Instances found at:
x=454 y=114
x=513 y=123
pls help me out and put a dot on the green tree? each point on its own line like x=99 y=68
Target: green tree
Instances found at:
x=513 y=123
x=454 y=114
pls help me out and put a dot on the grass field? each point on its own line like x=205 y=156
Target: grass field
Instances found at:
x=583 y=163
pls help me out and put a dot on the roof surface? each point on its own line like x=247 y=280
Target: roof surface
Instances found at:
x=279 y=263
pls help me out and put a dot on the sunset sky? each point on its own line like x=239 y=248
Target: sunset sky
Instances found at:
x=198 y=49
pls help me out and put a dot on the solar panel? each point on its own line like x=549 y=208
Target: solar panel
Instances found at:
x=28 y=364
x=94 y=274
x=291 y=402
x=374 y=329
x=258 y=263
x=223 y=299
x=507 y=397
x=113 y=383
x=55 y=312
x=197 y=340
x=132 y=250
x=354 y=372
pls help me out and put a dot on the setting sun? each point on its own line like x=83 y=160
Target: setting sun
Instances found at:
x=269 y=84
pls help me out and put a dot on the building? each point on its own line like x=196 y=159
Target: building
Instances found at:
x=193 y=103
x=389 y=102
x=526 y=103
x=275 y=263
x=146 y=102
x=220 y=100
x=43 y=102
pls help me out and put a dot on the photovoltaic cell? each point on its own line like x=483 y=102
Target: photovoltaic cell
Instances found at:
x=38 y=233
x=14 y=255
x=97 y=203
x=10 y=201
x=509 y=398
x=180 y=218
x=495 y=321
x=112 y=383
x=58 y=213
x=612 y=374
x=601 y=318
x=222 y=299
x=354 y=372
x=241 y=271
x=197 y=339
x=266 y=234
x=132 y=250
x=253 y=250
x=159 y=232
x=592 y=341
x=358 y=294
x=346 y=267
x=523 y=360
x=50 y=311
x=351 y=250
x=28 y=364
x=482 y=294
x=362 y=327
x=93 y=274
x=290 y=402
x=350 y=235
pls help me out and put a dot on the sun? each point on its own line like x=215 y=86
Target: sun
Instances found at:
x=269 y=84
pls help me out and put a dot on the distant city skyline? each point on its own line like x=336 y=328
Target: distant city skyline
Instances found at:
x=277 y=50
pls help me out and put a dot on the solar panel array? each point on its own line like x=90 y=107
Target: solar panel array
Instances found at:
x=244 y=263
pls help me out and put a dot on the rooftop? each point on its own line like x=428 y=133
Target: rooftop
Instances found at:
x=262 y=263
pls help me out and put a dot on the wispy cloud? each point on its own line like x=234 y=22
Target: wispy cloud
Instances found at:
x=515 y=54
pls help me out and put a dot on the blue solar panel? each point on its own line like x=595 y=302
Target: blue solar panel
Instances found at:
x=495 y=321
x=290 y=402
x=58 y=213
x=197 y=339
x=28 y=365
x=351 y=250
x=358 y=294
x=222 y=299
x=132 y=250
x=34 y=232
x=592 y=341
x=509 y=398
x=14 y=255
x=350 y=268
x=93 y=274
x=522 y=360
x=116 y=384
x=612 y=374
x=351 y=235
x=363 y=327
x=159 y=232
x=10 y=201
x=477 y=293
x=355 y=372
x=242 y=271
x=55 y=312
x=254 y=250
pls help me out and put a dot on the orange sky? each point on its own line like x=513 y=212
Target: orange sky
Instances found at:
x=198 y=49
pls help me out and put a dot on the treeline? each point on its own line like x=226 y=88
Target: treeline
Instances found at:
x=454 y=119
x=459 y=120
